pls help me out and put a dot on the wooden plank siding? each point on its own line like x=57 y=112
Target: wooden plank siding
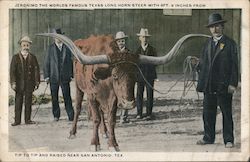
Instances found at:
x=114 y=21
x=77 y=24
x=17 y=29
x=11 y=33
x=129 y=29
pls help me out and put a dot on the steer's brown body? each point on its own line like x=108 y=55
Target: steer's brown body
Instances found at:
x=108 y=86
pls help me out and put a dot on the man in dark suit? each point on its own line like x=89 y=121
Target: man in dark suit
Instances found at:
x=58 y=71
x=24 y=79
x=149 y=73
x=218 y=79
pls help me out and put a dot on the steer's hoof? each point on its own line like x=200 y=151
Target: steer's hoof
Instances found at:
x=114 y=149
x=72 y=136
x=95 y=148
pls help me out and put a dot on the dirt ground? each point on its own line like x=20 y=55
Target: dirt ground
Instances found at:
x=176 y=127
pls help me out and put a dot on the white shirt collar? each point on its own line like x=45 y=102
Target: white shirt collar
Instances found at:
x=216 y=39
x=122 y=49
x=24 y=54
x=59 y=45
x=144 y=46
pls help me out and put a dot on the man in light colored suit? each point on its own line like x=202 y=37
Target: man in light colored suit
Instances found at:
x=58 y=71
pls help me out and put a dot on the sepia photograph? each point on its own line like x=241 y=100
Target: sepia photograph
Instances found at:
x=124 y=81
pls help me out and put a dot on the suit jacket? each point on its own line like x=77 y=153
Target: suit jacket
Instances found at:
x=149 y=71
x=51 y=68
x=218 y=69
x=17 y=73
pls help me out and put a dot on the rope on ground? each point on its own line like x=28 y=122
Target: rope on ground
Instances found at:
x=38 y=107
x=190 y=77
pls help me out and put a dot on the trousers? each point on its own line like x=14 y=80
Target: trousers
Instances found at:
x=27 y=97
x=150 y=97
x=54 y=87
x=210 y=103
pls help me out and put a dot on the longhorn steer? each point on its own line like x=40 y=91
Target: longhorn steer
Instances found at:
x=107 y=86
x=108 y=78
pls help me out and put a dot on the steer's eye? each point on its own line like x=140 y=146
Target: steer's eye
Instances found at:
x=115 y=76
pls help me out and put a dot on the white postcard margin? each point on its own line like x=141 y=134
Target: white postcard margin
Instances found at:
x=128 y=156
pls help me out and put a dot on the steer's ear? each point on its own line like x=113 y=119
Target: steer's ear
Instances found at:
x=102 y=73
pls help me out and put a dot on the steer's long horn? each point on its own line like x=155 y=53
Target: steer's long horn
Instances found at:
x=82 y=58
x=171 y=54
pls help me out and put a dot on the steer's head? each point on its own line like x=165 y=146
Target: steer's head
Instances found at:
x=123 y=74
x=123 y=85
x=122 y=71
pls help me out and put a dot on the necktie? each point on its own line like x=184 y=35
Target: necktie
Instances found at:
x=60 y=47
x=213 y=49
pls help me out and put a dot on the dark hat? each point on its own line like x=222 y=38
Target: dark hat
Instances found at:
x=58 y=31
x=215 y=18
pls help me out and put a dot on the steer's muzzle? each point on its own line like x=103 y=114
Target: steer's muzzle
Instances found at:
x=125 y=104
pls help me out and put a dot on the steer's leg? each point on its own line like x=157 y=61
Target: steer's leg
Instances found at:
x=111 y=124
x=78 y=107
x=103 y=128
x=94 y=107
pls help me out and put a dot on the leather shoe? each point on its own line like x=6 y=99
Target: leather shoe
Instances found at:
x=229 y=145
x=148 y=117
x=30 y=122
x=138 y=117
x=203 y=142
x=15 y=124
x=56 y=119
x=124 y=120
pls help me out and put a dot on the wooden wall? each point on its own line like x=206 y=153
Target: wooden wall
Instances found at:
x=165 y=30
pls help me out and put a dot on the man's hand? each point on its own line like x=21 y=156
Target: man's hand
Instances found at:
x=13 y=86
x=231 y=89
x=46 y=80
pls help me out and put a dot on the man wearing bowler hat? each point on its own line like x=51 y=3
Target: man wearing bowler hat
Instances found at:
x=149 y=73
x=24 y=79
x=218 y=79
x=58 y=71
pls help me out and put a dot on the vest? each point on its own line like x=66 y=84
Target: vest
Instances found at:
x=60 y=61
